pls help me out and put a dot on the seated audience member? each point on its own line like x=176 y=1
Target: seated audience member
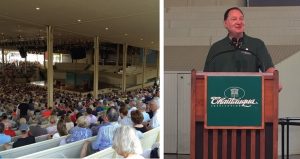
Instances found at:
x=7 y=126
x=52 y=128
x=73 y=115
x=125 y=120
x=61 y=131
x=126 y=143
x=69 y=123
x=47 y=112
x=36 y=129
x=10 y=132
x=3 y=138
x=132 y=107
x=146 y=116
x=99 y=107
x=154 y=153
x=80 y=131
x=22 y=121
x=25 y=138
x=105 y=134
x=91 y=119
x=6 y=121
x=137 y=119
x=155 y=120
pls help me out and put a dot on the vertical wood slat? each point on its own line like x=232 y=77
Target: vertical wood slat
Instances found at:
x=193 y=116
x=262 y=143
x=215 y=144
x=243 y=144
x=224 y=144
x=252 y=142
x=233 y=144
x=275 y=111
x=205 y=143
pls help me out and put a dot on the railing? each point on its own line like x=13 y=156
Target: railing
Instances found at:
x=287 y=121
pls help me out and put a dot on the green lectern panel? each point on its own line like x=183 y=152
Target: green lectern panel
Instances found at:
x=234 y=101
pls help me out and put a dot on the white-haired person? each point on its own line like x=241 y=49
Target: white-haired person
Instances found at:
x=154 y=107
x=126 y=143
x=142 y=108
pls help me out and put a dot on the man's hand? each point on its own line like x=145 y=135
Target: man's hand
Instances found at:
x=271 y=70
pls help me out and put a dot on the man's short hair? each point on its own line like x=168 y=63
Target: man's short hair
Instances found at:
x=230 y=9
x=112 y=114
x=89 y=110
x=137 y=117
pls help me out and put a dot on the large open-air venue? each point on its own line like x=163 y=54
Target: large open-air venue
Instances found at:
x=79 y=79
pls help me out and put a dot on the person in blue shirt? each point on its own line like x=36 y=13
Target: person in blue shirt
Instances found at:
x=80 y=131
x=105 y=134
x=3 y=138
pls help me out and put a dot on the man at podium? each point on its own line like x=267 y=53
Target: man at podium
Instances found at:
x=238 y=52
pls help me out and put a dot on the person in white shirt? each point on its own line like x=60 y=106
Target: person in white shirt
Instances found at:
x=142 y=109
x=124 y=118
x=52 y=128
x=155 y=120
x=90 y=118
x=61 y=131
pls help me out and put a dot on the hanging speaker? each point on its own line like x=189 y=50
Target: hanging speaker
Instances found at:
x=23 y=52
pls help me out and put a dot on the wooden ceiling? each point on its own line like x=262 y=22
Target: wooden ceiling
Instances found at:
x=135 y=22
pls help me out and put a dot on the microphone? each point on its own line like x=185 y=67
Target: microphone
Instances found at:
x=246 y=51
x=209 y=61
x=237 y=44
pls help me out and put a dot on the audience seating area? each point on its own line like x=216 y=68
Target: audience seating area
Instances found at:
x=37 y=139
x=66 y=105
x=150 y=137
x=71 y=150
x=51 y=149
x=106 y=153
x=32 y=148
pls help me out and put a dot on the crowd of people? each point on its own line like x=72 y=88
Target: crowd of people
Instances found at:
x=24 y=110
x=20 y=70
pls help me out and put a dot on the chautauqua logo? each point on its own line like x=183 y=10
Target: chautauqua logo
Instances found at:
x=233 y=97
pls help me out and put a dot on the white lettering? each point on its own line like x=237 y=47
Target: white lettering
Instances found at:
x=233 y=101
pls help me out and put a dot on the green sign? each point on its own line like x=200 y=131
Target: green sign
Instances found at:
x=234 y=101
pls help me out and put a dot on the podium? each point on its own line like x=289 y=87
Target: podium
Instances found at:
x=234 y=115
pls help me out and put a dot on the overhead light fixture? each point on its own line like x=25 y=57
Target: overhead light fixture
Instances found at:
x=37 y=8
x=106 y=28
x=78 y=20
x=125 y=34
